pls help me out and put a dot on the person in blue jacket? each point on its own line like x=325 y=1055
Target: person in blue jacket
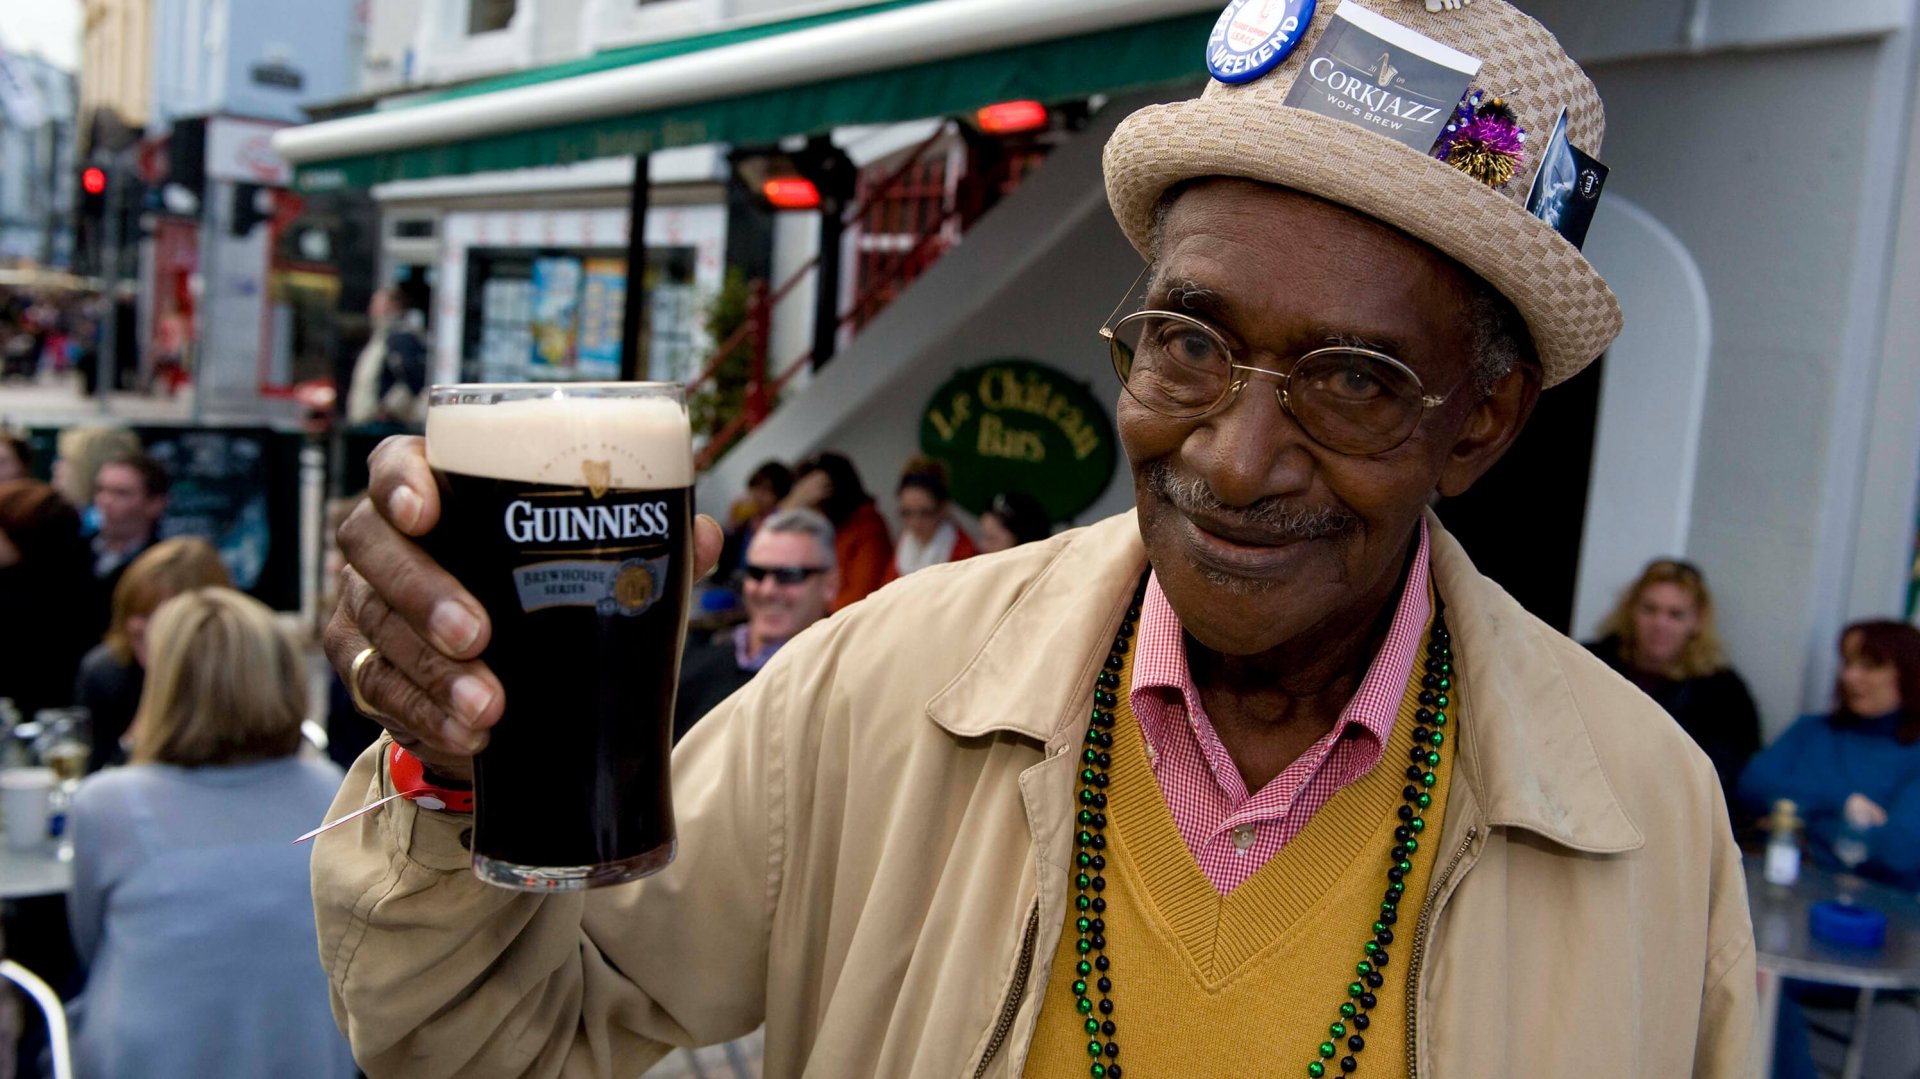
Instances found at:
x=1854 y=773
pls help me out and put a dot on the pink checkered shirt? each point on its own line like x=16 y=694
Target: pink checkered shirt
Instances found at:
x=1233 y=833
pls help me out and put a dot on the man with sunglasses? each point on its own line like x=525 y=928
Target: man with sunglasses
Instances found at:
x=790 y=580
x=1263 y=777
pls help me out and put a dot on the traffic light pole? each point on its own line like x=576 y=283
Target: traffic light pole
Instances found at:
x=633 y=323
x=108 y=352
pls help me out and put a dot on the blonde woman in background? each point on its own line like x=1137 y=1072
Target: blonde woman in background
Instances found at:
x=190 y=905
x=78 y=454
x=1662 y=638
x=113 y=673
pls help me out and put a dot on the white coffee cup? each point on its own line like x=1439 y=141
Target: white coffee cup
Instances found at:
x=25 y=799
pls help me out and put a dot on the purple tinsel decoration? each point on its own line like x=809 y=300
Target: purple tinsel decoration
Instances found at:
x=1500 y=136
x=1483 y=126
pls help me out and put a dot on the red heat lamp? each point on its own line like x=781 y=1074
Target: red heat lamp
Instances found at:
x=1011 y=117
x=791 y=193
x=93 y=180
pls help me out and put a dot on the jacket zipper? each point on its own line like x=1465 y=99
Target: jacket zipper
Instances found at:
x=1015 y=993
x=1420 y=953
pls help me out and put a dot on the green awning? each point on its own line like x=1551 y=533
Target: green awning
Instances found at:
x=1101 y=60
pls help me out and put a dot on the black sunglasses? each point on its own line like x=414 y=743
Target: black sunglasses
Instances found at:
x=781 y=574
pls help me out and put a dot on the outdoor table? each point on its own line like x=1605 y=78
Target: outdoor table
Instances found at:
x=25 y=874
x=1786 y=949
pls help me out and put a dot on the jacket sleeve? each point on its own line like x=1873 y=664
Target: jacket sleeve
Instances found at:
x=1781 y=771
x=1896 y=845
x=93 y=831
x=1728 y=1003
x=434 y=973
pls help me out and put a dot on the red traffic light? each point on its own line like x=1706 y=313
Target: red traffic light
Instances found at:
x=93 y=180
x=1011 y=117
x=791 y=193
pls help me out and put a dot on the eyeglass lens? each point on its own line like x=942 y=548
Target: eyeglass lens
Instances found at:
x=1348 y=400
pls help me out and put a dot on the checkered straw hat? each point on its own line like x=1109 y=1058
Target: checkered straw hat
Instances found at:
x=1245 y=131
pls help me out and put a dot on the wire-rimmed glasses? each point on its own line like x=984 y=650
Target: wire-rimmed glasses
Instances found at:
x=1349 y=399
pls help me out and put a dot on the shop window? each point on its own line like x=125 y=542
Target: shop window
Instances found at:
x=487 y=16
x=556 y=314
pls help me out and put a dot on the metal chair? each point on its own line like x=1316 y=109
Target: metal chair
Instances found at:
x=50 y=1007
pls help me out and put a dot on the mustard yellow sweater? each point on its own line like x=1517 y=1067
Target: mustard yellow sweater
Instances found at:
x=1248 y=983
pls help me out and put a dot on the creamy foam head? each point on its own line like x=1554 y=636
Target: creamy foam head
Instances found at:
x=644 y=442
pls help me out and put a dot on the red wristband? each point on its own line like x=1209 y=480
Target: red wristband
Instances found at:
x=409 y=778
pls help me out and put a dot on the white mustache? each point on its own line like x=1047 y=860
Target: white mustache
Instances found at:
x=1272 y=515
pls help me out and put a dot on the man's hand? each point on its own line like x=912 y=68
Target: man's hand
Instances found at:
x=436 y=697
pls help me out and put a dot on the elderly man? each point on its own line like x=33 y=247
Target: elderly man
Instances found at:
x=791 y=578
x=1263 y=778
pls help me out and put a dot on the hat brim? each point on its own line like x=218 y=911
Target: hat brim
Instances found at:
x=1571 y=313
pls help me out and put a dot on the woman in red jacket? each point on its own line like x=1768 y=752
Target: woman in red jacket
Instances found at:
x=862 y=546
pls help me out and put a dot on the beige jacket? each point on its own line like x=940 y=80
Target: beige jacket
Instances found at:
x=873 y=842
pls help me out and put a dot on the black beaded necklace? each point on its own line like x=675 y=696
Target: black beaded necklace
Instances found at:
x=1094 y=973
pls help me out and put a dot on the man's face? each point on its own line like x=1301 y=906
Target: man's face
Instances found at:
x=1259 y=534
x=776 y=611
x=127 y=512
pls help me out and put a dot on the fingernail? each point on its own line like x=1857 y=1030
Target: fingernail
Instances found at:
x=405 y=508
x=470 y=698
x=452 y=626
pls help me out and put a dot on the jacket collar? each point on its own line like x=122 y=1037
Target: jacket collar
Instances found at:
x=1524 y=747
x=1071 y=609
x=1525 y=753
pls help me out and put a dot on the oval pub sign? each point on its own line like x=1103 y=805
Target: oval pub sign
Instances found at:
x=1016 y=425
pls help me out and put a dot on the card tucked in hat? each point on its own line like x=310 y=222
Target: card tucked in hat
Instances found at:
x=1434 y=122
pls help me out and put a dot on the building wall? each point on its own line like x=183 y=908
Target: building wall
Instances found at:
x=115 y=65
x=386 y=58
x=1778 y=262
x=249 y=58
x=1803 y=503
x=37 y=163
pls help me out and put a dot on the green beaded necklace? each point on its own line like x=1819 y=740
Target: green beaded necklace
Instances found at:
x=1354 y=1014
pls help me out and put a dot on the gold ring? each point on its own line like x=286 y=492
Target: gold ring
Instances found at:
x=353 y=684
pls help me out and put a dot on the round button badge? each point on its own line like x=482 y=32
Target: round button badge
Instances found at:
x=1252 y=37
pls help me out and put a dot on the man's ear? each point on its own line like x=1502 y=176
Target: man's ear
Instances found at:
x=1490 y=428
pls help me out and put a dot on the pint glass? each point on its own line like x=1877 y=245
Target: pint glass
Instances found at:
x=566 y=509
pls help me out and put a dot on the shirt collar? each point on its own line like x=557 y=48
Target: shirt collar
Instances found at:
x=748 y=659
x=1160 y=660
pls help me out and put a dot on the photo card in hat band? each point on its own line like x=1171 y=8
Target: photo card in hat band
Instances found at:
x=1567 y=188
x=1372 y=71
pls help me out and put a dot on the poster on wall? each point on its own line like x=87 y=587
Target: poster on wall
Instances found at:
x=603 y=300
x=1017 y=425
x=556 y=297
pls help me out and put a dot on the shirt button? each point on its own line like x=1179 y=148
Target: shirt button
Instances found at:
x=1243 y=836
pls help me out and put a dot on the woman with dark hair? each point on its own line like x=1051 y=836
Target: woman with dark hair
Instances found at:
x=48 y=595
x=862 y=546
x=767 y=488
x=1013 y=518
x=928 y=533
x=16 y=457
x=1854 y=774
x=1662 y=638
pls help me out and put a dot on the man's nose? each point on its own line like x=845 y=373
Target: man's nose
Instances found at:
x=1251 y=448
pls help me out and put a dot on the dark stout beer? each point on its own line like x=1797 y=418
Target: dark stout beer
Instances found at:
x=571 y=521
